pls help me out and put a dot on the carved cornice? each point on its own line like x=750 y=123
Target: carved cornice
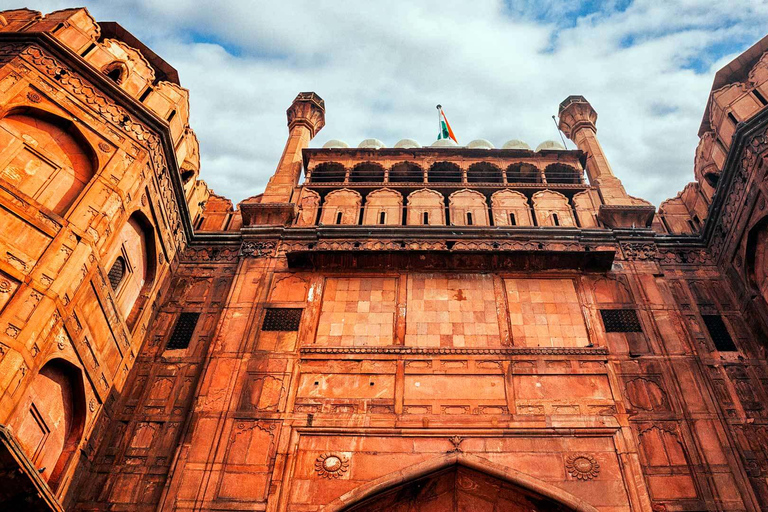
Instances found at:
x=508 y=351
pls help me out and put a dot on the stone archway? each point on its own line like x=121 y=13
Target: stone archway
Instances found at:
x=458 y=482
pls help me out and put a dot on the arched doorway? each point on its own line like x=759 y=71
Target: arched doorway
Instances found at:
x=457 y=488
x=50 y=423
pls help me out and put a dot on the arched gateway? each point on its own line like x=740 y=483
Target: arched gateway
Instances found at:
x=458 y=482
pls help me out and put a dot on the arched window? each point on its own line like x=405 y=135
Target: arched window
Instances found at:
x=468 y=208
x=46 y=158
x=383 y=206
x=425 y=207
x=523 y=173
x=328 y=172
x=510 y=208
x=406 y=172
x=483 y=172
x=136 y=260
x=367 y=172
x=345 y=202
x=50 y=420
x=116 y=71
x=116 y=273
x=562 y=174
x=444 y=172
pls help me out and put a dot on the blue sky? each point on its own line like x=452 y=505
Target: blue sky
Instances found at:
x=499 y=68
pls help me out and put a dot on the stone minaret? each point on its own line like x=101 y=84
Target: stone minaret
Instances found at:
x=306 y=117
x=619 y=209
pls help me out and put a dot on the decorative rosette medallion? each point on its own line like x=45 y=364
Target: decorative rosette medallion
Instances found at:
x=582 y=466
x=331 y=465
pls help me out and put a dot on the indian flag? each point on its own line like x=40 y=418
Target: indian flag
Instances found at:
x=445 y=128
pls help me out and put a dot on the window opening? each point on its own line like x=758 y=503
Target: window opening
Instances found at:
x=620 y=320
x=115 y=74
x=512 y=220
x=281 y=319
x=339 y=216
x=719 y=333
x=555 y=219
x=382 y=217
x=425 y=219
x=116 y=273
x=760 y=97
x=182 y=332
x=469 y=218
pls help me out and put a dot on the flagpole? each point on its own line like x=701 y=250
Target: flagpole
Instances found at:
x=439 y=123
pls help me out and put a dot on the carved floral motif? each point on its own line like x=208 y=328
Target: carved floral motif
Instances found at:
x=331 y=465
x=582 y=466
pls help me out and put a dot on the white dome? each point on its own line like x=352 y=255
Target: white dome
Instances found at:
x=371 y=144
x=516 y=144
x=480 y=144
x=407 y=144
x=335 y=143
x=444 y=143
x=550 y=144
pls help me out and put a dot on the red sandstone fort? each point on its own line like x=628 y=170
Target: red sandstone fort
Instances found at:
x=414 y=328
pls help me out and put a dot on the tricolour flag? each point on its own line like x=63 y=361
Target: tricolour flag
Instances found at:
x=445 y=128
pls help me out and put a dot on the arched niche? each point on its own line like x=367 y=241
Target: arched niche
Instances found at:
x=609 y=290
x=585 y=209
x=562 y=174
x=328 y=172
x=444 y=172
x=383 y=207
x=309 y=204
x=406 y=172
x=484 y=172
x=468 y=208
x=366 y=172
x=756 y=256
x=426 y=208
x=510 y=208
x=50 y=419
x=341 y=207
x=135 y=254
x=552 y=209
x=45 y=157
x=523 y=173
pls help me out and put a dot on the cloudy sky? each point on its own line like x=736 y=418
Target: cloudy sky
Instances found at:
x=499 y=68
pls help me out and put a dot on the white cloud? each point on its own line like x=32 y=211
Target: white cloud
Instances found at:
x=500 y=70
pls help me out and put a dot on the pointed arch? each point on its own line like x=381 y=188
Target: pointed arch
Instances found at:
x=138 y=252
x=50 y=422
x=485 y=466
x=45 y=157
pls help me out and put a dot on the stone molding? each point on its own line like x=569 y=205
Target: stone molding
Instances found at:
x=571 y=351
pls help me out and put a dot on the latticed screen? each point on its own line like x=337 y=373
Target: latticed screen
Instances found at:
x=282 y=319
x=719 y=333
x=117 y=272
x=621 y=320
x=183 y=330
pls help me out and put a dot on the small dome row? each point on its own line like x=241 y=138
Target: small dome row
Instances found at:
x=446 y=143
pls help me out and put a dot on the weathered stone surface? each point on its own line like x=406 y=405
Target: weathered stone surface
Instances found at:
x=431 y=328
